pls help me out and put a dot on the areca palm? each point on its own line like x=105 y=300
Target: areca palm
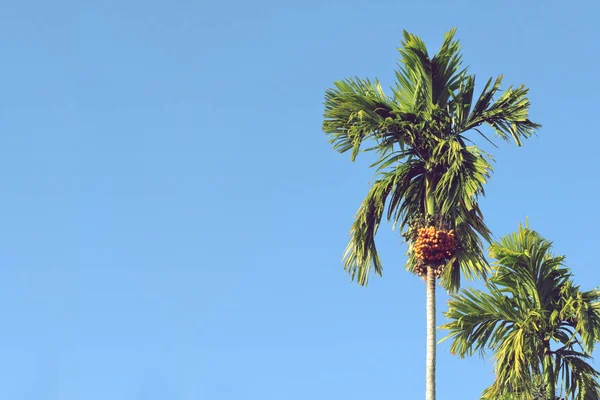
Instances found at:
x=534 y=318
x=428 y=171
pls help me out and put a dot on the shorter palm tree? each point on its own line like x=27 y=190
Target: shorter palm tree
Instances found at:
x=534 y=318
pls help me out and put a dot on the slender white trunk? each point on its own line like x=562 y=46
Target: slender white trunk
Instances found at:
x=430 y=361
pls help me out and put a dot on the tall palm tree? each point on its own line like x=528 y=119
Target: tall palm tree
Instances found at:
x=428 y=173
x=534 y=318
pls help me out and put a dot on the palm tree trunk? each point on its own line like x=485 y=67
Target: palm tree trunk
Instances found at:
x=430 y=184
x=549 y=375
x=430 y=360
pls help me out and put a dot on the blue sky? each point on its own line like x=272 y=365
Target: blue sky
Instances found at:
x=174 y=218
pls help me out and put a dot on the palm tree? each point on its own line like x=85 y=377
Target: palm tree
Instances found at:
x=534 y=318
x=429 y=174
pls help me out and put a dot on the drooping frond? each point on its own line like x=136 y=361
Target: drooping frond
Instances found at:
x=357 y=110
x=467 y=170
x=361 y=252
x=394 y=189
x=579 y=378
x=582 y=310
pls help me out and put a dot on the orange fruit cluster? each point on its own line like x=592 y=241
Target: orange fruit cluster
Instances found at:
x=434 y=244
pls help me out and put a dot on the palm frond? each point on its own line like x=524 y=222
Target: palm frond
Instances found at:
x=579 y=377
x=413 y=79
x=446 y=75
x=397 y=190
x=508 y=115
x=361 y=253
x=478 y=321
x=356 y=110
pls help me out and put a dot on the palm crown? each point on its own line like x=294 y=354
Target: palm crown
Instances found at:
x=427 y=165
x=534 y=318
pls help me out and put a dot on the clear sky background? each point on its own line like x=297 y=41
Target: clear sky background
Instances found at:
x=173 y=218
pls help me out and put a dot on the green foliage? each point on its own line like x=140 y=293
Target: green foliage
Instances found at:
x=426 y=160
x=533 y=390
x=534 y=319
